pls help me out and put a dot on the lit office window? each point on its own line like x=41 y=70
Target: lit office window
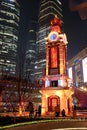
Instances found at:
x=84 y=64
x=70 y=73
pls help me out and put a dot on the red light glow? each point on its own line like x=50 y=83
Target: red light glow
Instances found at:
x=53 y=59
x=52 y=96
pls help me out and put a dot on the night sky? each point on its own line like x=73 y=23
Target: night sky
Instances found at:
x=74 y=27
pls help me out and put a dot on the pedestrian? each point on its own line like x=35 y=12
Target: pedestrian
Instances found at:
x=39 y=110
x=31 y=109
x=74 y=111
x=63 y=113
x=36 y=112
x=57 y=110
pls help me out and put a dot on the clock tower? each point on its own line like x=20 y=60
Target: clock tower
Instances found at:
x=56 y=90
x=56 y=47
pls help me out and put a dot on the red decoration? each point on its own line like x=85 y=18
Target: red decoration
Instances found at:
x=56 y=21
x=53 y=57
x=56 y=24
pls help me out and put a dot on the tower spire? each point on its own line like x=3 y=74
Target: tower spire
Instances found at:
x=56 y=21
x=56 y=24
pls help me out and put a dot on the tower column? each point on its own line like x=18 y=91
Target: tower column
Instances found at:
x=62 y=58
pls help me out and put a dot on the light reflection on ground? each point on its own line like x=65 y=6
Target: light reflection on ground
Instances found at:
x=81 y=128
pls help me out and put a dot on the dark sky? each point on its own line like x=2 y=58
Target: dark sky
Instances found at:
x=76 y=30
x=74 y=27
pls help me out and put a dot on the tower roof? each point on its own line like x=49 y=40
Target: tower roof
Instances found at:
x=56 y=21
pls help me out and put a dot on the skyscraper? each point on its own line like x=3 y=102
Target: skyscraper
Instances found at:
x=48 y=8
x=9 y=25
x=30 y=53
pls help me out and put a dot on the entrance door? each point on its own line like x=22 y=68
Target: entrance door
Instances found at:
x=53 y=101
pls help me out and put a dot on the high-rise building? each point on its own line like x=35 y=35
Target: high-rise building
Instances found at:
x=48 y=8
x=77 y=69
x=30 y=53
x=9 y=26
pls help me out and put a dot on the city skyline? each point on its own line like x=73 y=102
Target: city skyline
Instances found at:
x=74 y=27
x=50 y=48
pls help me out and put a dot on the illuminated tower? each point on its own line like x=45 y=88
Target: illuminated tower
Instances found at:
x=56 y=52
x=9 y=26
x=48 y=8
x=56 y=90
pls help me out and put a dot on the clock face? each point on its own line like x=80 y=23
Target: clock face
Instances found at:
x=53 y=36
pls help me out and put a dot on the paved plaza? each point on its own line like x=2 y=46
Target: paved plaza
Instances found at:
x=55 y=125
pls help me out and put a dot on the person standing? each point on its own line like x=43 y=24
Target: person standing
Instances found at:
x=36 y=112
x=39 y=110
x=31 y=110
x=57 y=110
x=63 y=113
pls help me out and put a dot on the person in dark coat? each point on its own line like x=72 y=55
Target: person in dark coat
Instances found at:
x=39 y=110
x=63 y=113
x=57 y=110
x=31 y=109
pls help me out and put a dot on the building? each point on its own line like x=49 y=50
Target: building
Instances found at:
x=9 y=26
x=80 y=6
x=48 y=8
x=14 y=91
x=56 y=91
x=30 y=54
x=77 y=69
